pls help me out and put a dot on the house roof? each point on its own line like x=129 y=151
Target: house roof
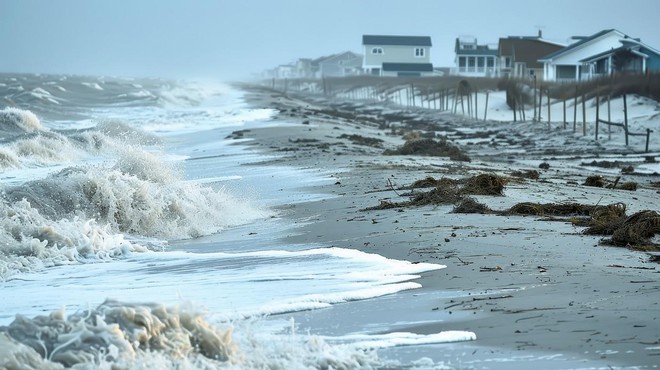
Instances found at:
x=330 y=58
x=582 y=41
x=630 y=45
x=408 y=67
x=526 y=49
x=396 y=40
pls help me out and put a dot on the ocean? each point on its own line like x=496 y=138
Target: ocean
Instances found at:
x=136 y=234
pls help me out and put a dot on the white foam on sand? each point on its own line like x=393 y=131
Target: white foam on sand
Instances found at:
x=278 y=281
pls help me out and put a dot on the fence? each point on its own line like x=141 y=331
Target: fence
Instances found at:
x=623 y=125
x=459 y=96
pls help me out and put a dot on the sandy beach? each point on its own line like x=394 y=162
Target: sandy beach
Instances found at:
x=535 y=290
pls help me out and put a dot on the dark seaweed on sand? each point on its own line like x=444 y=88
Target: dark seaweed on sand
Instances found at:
x=448 y=191
x=362 y=140
x=430 y=147
x=635 y=232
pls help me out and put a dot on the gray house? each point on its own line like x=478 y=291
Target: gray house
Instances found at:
x=397 y=55
x=347 y=63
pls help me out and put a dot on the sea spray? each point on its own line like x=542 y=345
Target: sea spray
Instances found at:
x=118 y=335
x=115 y=333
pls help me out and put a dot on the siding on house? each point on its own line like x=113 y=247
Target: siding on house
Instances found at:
x=338 y=65
x=632 y=57
x=379 y=49
x=407 y=69
x=565 y=63
x=518 y=56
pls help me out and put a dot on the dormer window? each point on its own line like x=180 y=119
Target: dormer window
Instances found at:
x=419 y=52
x=377 y=51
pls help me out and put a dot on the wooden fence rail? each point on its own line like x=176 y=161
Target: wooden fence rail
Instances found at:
x=623 y=125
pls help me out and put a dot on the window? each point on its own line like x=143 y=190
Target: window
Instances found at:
x=490 y=62
x=419 y=52
x=377 y=51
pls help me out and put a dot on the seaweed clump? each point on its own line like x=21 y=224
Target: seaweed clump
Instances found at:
x=448 y=191
x=362 y=140
x=430 y=147
x=469 y=205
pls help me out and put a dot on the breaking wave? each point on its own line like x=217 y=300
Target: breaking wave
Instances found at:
x=118 y=335
x=82 y=212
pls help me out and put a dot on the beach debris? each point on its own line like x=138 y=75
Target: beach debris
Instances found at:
x=544 y=166
x=596 y=181
x=430 y=147
x=469 y=205
x=600 y=182
x=448 y=191
x=528 y=174
x=490 y=269
x=485 y=184
x=362 y=140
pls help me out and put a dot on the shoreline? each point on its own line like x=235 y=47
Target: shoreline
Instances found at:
x=535 y=292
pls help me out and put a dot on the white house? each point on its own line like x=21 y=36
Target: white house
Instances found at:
x=566 y=64
x=474 y=60
x=386 y=55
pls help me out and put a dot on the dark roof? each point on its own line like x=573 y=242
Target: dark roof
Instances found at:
x=635 y=48
x=396 y=40
x=526 y=49
x=408 y=67
x=579 y=43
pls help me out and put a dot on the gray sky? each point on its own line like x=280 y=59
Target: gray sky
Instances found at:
x=225 y=39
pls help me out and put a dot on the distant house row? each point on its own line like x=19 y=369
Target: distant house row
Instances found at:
x=604 y=53
x=601 y=54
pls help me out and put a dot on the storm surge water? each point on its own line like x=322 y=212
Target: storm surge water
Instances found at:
x=121 y=202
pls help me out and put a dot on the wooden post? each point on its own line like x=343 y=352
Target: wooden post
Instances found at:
x=648 y=136
x=534 y=99
x=412 y=92
x=540 y=101
x=514 y=110
x=565 y=123
x=486 y=107
x=597 y=113
x=609 y=118
x=575 y=110
x=625 y=117
x=584 y=116
x=476 y=105
x=548 y=95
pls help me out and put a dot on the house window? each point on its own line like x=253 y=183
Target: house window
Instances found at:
x=377 y=51
x=490 y=62
x=419 y=52
x=461 y=62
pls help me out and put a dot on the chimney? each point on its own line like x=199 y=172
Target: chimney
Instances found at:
x=540 y=33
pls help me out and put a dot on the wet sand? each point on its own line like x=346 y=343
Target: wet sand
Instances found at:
x=536 y=293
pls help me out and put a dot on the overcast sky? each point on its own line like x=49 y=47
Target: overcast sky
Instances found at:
x=225 y=39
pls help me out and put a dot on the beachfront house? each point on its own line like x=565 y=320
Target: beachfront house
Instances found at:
x=605 y=52
x=518 y=56
x=474 y=60
x=632 y=56
x=386 y=55
x=342 y=64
